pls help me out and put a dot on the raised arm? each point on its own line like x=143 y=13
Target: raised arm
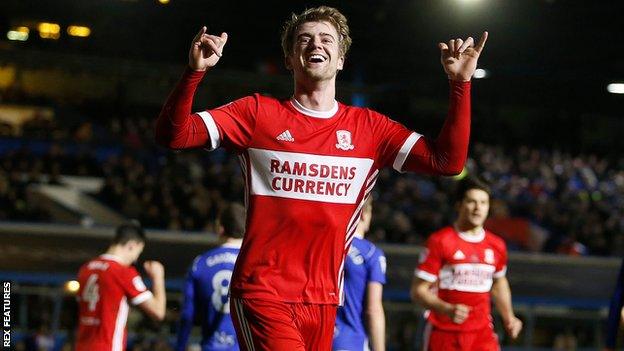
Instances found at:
x=176 y=126
x=155 y=307
x=446 y=155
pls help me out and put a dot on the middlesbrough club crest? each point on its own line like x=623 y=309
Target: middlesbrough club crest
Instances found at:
x=344 y=140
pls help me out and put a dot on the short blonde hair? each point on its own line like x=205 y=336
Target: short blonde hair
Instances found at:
x=317 y=14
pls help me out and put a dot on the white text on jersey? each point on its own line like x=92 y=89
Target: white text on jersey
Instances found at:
x=308 y=177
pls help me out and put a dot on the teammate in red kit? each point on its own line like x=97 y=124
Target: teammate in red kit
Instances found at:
x=309 y=163
x=466 y=263
x=108 y=283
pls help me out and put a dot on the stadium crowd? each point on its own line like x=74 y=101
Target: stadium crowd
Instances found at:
x=545 y=200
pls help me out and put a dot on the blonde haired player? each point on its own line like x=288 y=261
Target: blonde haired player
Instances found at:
x=309 y=162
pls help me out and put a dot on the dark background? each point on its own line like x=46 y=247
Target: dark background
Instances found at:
x=550 y=61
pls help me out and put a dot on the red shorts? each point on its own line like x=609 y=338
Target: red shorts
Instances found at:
x=280 y=326
x=445 y=340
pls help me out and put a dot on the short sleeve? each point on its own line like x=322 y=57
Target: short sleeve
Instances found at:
x=395 y=141
x=133 y=286
x=430 y=261
x=501 y=262
x=376 y=265
x=232 y=125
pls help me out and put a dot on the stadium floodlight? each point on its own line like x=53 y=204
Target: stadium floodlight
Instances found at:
x=72 y=286
x=164 y=2
x=616 y=88
x=79 y=31
x=481 y=73
x=49 y=30
x=19 y=34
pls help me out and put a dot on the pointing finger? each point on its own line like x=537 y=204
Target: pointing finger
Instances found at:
x=201 y=32
x=482 y=41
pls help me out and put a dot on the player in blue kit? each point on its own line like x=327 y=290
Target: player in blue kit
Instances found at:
x=361 y=322
x=208 y=284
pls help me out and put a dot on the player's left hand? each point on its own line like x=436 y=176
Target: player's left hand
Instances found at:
x=513 y=327
x=459 y=57
x=154 y=269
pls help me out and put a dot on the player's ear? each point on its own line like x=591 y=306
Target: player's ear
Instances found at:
x=287 y=63
x=341 y=61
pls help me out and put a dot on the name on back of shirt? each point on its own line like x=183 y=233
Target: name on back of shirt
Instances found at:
x=225 y=257
x=97 y=266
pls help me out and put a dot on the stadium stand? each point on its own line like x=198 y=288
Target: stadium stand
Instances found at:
x=552 y=150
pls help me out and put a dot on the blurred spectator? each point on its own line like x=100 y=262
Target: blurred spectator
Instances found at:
x=43 y=339
x=565 y=341
x=543 y=200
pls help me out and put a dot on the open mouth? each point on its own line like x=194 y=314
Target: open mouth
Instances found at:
x=317 y=58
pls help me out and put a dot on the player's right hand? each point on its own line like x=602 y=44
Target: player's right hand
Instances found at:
x=206 y=50
x=154 y=270
x=513 y=327
x=459 y=313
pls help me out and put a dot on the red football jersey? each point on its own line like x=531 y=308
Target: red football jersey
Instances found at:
x=307 y=175
x=464 y=267
x=106 y=286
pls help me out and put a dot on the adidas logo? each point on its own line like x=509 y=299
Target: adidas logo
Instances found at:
x=458 y=255
x=285 y=136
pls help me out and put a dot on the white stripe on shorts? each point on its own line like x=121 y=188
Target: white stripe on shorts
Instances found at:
x=244 y=326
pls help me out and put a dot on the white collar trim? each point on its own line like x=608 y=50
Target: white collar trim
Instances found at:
x=314 y=113
x=471 y=238
x=111 y=257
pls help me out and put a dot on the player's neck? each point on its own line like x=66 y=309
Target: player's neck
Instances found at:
x=469 y=229
x=318 y=95
x=231 y=242
x=118 y=253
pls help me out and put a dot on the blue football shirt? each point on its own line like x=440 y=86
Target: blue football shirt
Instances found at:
x=364 y=263
x=206 y=299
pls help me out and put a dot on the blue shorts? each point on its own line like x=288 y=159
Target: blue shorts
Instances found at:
x=347 y=340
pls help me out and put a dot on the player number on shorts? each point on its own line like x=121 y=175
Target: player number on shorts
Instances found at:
x=91 y=293
x=221 y=287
